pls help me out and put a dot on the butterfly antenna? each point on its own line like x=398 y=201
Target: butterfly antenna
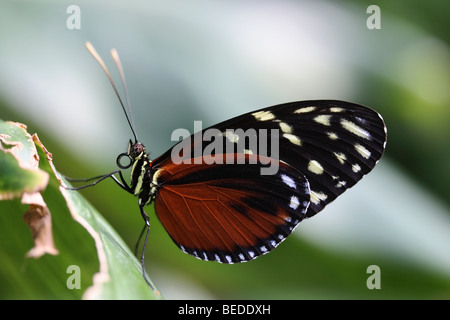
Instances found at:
x=116 y=59
x=97 y=57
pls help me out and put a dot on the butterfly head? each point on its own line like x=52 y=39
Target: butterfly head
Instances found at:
x=136 y=151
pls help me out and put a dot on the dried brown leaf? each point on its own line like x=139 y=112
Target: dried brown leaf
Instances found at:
x=38 y=218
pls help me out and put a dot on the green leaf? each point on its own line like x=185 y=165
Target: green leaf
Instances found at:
x=89 y=259
x=18 y=168
x=120 y=275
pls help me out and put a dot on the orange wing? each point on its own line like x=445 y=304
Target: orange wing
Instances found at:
x=230 y=213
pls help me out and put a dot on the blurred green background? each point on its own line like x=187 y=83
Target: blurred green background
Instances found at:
x=211 y=60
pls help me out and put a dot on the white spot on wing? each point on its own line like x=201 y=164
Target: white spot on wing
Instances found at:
x=317 y=196
x=356 y=168
x=355 y=129
x=305 y=109
x=315 y=167
x=294 y=202
x=285 y=127
x=361 y=120
x=341 y=184
x=289 y=181
x=263 y=115
x=340 y=156
x=231 y=136
x=362 y=151
x=332 y=135
x=323 y=119
x=293 y=139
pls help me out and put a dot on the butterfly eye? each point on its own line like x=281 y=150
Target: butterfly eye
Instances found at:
x=119 y=161
x=136 y=150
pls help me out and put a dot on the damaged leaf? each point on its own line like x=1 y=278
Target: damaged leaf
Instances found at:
x=21 y=177
x=39 y=220
x=107 y=267
x=19 y=171
x=120 y=275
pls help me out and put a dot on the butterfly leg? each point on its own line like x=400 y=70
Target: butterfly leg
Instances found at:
x=97 y=180
x=136 y=247
x=146 y=226
x=121 y=183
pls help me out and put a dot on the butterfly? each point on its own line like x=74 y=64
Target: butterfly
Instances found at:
x=236 y=190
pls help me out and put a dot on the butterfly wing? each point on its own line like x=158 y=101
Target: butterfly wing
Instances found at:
x=325 y=145
x=230 y=213
x=333 y=143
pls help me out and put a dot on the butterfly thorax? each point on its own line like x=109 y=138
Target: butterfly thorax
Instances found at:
x=141 y=176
